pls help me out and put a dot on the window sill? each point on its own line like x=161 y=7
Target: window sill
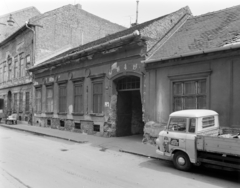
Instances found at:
x=62 y=113
x=77 y=114
x=95 y=114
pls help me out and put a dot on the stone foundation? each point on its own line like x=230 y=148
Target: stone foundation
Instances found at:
x=151 y=131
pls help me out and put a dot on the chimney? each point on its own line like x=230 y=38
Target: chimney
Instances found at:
x=78 y=6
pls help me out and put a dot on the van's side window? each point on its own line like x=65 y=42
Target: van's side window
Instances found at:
x=177 y=124
x=192 y=125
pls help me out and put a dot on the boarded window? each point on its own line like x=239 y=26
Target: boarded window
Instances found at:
x=97 y=97
x=78 y=98
x=38 y=96
x=189 y=95
x=49 y=102
x=62 y=98
x=208 y=122
x=20 y=102
x=27 y=102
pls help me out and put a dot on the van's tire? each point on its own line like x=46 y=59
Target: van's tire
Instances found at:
x=181 y=161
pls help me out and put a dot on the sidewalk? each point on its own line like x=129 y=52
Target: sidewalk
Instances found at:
x=128 y=144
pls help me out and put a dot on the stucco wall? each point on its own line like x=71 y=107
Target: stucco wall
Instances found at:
x=223 y=86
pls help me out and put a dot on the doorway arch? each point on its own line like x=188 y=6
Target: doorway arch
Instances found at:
x=129 y=105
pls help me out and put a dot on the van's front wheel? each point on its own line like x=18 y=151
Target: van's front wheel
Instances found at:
x=181 y=161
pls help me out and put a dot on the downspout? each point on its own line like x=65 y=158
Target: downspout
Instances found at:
x=33 y=62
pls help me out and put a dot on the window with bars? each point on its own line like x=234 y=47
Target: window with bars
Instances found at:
x=129 y=83
x=38 y=98
x=189 y=95
x=97 y=97
x=63 y=98
x=20 y=102
x=15 y=74
x=27 y=102
x=49 y=99
x=78 y=98
x=15 y=100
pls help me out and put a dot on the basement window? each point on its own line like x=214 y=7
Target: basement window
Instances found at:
x=77 y=125
x=96 y=128
x=49 y=122
x=62 y=123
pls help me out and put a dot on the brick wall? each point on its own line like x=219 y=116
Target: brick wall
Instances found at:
x=68 y=27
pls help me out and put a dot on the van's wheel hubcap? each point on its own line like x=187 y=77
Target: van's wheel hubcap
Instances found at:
x=181 y=161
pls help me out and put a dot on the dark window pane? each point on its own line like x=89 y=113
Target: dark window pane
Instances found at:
x=177 y=103
x=190 y=103
x=189 y=88
x=202 y=104
x=177 y=89
x=202 y=87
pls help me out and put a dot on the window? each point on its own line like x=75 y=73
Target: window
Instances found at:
x=27 y=102
x=208 y=122
x=15 y=74
x=49 y=101
x=97 y=97
x=192 y=125
x=38 y=96
x=78 y=98
x=15 y=102
x=63 y=98
x=189 y=95
x=28 y=61
x=9 y=68
x=1 y=73
x=21 y=66
x=20 y=102
x=4 y=72
x=129 y=83
x=177 y=124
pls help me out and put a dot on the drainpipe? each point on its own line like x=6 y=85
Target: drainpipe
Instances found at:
x=33 y=63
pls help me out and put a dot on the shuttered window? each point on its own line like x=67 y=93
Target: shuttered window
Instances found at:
x=49 y=98
x=15 y=74
x=27 y=102
x=78 y=98
x=97 y=97
x=62 y=98
x=38 y=96
x=189 y=95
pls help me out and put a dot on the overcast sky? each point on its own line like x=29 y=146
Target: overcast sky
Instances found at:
x=122 y=11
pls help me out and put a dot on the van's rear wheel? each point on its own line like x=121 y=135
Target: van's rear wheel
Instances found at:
x=181 y=161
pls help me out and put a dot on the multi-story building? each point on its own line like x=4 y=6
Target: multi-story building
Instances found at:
x=40 y=38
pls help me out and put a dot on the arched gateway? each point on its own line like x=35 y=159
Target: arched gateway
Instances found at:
x=129 y=106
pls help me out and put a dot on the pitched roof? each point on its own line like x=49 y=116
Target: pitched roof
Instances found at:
x=20 y=17
x=145 y=30
x=208 y=31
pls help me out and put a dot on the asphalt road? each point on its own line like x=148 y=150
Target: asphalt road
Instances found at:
x=31 y=161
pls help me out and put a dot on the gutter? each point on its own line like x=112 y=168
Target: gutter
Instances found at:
x=229 y=47
x=131 y=35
